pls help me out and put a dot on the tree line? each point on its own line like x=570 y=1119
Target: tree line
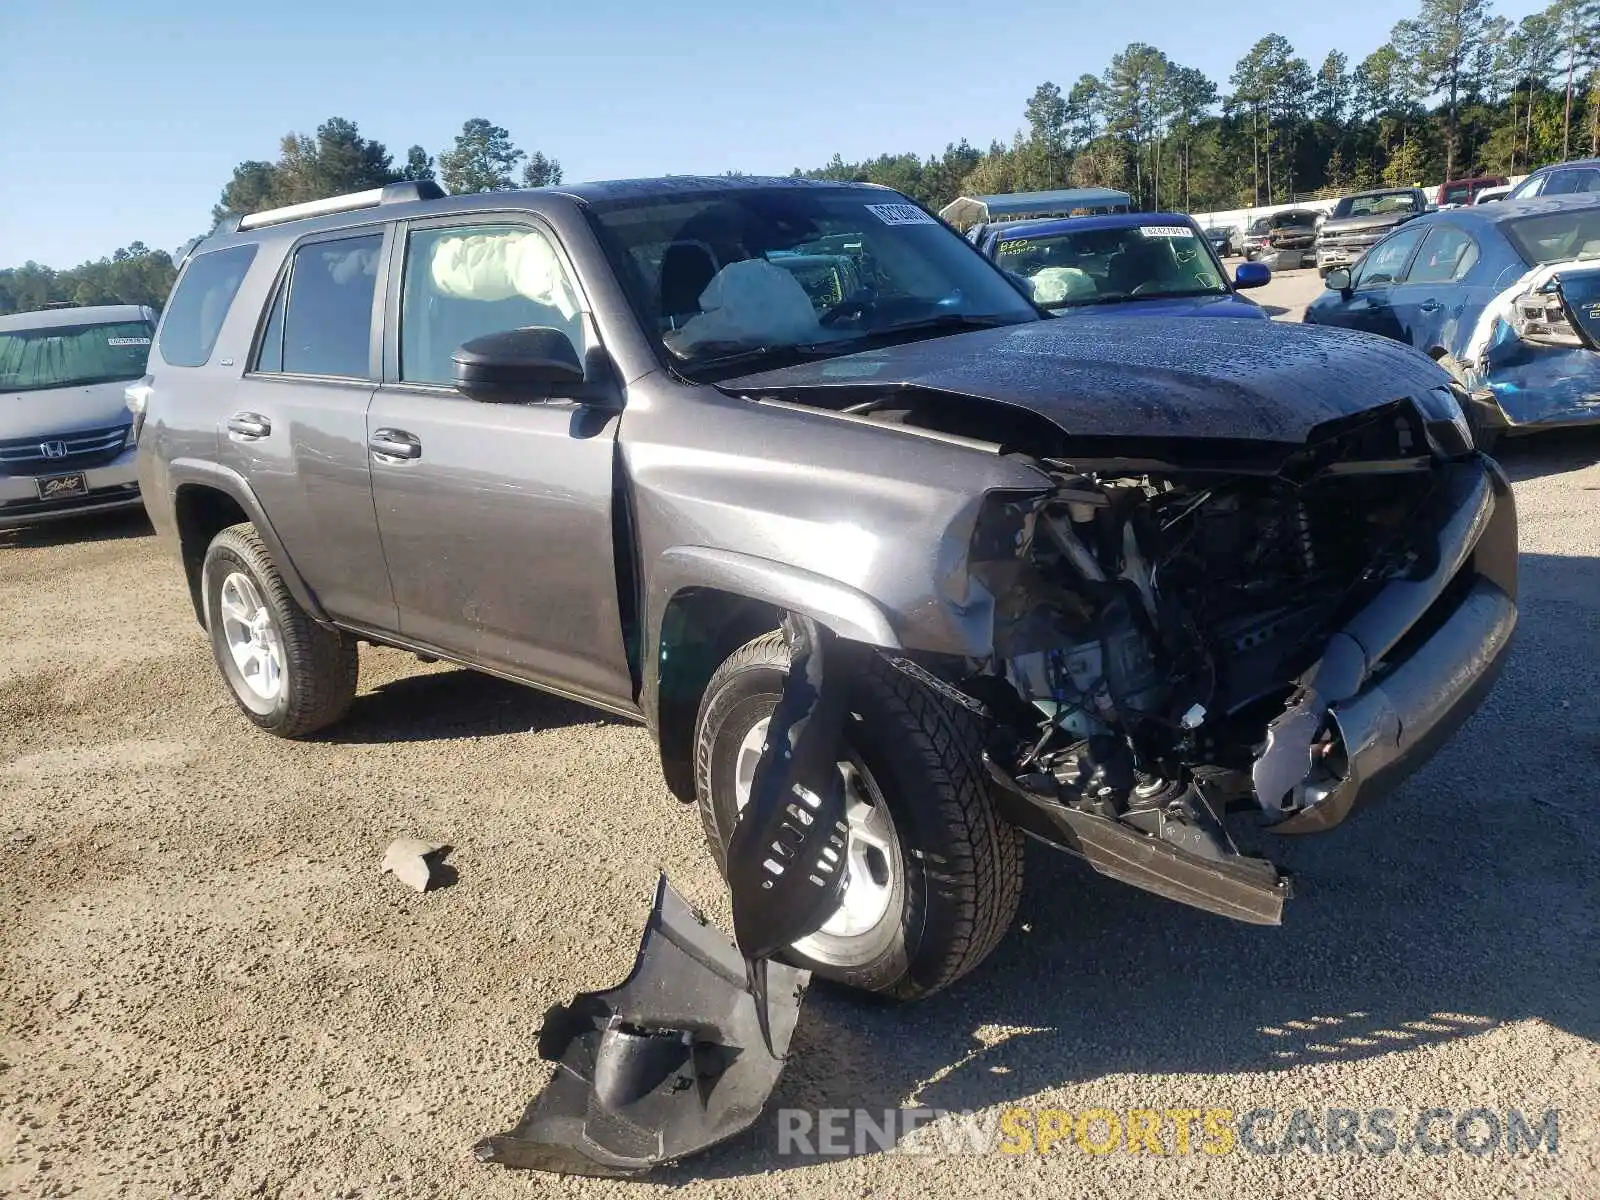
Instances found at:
x=1455 y=91
x=333 y=160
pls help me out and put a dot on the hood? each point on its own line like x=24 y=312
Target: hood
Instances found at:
x=1373 y=223
x=1229 y=305
x=1110 y=377
x=52 y=412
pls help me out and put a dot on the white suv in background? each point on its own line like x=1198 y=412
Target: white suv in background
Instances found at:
x=66 y=435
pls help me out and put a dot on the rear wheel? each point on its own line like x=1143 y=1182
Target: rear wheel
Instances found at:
x=935 y=875
x=288 y=674
x=1484 y=437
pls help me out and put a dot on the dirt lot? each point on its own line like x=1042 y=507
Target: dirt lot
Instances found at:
x=207 y=988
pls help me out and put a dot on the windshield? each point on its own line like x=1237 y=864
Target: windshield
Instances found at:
x=72 y=355
x=743 y=275
x=1376 y=206
x=1109 y=266
x=1456 y=193
x=1556 y=237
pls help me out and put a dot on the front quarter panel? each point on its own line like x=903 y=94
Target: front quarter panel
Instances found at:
x=871 y=523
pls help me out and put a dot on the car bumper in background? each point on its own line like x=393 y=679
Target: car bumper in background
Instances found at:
x=106 y=489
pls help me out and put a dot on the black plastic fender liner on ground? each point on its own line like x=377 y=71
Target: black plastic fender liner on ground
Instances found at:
x=685 y=1052
x=669 y=1062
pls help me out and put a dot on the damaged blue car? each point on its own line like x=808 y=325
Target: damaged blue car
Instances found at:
x=1505 y=297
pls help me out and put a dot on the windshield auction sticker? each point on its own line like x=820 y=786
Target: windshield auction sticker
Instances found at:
x=1166 y=231
x=127 y=341
x=900 y=214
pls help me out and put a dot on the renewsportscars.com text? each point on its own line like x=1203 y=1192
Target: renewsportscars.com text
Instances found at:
x=1478 y=1131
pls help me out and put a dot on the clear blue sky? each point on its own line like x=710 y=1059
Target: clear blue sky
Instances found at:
x=122 y=119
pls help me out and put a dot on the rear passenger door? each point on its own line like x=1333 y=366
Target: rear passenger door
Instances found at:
x=1433 y=293
x=496 y=517
x=296 y=427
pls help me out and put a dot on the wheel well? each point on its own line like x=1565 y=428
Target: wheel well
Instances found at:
x=203 y=512
x=699 y=629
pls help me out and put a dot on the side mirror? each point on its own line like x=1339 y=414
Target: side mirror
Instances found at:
x=1252 y=275
x=518 y=365
x=1338 y=279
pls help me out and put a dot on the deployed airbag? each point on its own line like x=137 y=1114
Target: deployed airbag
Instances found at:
x=750 y=301
x=498 y=266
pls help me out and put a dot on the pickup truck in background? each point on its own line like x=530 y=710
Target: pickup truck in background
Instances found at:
x=1358 y=222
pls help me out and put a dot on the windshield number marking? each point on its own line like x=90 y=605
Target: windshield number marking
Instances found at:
x=1166 y=231
x=127 y=341
x=900 y=214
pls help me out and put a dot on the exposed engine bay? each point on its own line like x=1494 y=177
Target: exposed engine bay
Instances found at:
x=1152 y=626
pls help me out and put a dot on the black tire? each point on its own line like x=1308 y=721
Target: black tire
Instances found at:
x=958 y=873
x=1484 y=437
x=320 y=665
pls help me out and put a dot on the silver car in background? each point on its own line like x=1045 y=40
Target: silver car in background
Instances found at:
x=66 y=435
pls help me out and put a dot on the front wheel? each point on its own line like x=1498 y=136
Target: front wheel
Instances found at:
x=288 y=674
x=934 y=874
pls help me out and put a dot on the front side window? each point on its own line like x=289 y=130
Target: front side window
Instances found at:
x=1446 y=256
x=1529 y=187
x=321 y=320
x=73 y=355
x=757 y=276
x=1383 y=263
x=464 y=282
x=1078 y=267
x=201 y=300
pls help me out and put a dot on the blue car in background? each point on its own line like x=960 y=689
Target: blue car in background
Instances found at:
x=1506 y=297
x=1151 y=264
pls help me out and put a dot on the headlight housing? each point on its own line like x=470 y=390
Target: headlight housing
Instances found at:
x=137 y=398
x=1444 y=422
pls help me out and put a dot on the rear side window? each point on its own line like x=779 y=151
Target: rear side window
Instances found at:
x=195 y=313
x=321 y=320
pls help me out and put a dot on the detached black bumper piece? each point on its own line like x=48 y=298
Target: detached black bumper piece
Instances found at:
x=666 y=1064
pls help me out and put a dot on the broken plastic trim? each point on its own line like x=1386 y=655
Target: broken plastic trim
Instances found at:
x=669 y=1062
x=786 y=856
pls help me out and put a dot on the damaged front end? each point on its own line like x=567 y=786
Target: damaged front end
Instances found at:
x=1174 y=642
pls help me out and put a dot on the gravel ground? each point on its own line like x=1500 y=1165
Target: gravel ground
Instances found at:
x=208 y=989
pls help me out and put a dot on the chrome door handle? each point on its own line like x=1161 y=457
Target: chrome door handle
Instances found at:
x=1429 y=306
x=249 y=425
x=394 y=445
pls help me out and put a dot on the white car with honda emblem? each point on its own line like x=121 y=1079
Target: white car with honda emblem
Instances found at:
x=66 y=433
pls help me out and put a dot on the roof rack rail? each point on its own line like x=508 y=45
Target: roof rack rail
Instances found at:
x=391 y=193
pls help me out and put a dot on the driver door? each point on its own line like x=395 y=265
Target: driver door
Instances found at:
x=496 y=518
x=1369 y=306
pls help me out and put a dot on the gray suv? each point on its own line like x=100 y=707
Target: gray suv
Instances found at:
x=1109 y=585
x=66 y=437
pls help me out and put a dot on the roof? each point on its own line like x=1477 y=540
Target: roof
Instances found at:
x=617 y=189
x=88 y=314
x=1502 y=211
x=1044 y=225
x=1013 y=204
x=1576 y=162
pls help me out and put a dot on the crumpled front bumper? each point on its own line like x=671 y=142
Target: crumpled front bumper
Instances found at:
x=1394 y=683
x=1416 y=662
